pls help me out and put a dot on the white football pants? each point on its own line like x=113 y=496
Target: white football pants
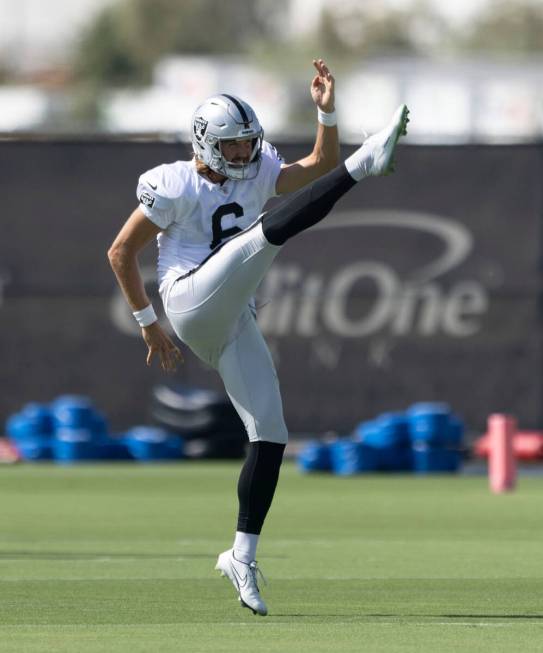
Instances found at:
x=209 y=311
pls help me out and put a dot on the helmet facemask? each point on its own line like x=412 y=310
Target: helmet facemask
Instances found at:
x=241 y=170
x=226 y=118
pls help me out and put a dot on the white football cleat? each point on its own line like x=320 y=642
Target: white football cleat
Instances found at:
x=243 y=577
x=378 y=150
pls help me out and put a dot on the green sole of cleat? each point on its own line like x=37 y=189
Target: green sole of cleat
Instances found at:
x=402 y=131
x=244 y=605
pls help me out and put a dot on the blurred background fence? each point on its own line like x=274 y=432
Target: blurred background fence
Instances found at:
x=422 y=286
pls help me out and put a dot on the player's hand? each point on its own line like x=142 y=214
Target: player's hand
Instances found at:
x=322 y=87
x=159 y=343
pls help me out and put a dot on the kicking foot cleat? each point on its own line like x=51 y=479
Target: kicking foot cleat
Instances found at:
x=380 y=147
x=244 y=579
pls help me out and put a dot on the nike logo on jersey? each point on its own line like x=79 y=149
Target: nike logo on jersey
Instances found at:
x=153 y=186
x=240 y=581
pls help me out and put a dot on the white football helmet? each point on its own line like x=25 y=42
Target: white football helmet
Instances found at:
x=226 y=117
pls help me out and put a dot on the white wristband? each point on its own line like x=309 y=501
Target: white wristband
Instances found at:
x=327 y=119
x=146 y=316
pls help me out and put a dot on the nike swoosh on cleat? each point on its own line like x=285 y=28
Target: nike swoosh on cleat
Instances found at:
x=153 y=187
x=241 y=581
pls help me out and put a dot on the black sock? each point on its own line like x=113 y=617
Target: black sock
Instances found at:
x=256 y=485
x=307 y=206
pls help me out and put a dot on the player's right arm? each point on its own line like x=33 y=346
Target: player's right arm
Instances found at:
x=325 y=154
x=137 y=232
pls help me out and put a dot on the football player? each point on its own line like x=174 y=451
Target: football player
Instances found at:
x=215 y=246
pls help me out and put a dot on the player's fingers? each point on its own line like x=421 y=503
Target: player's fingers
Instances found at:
x=170 y=362
x=171 y=357
x=316 y=82
x=150 y=354
x=322 y=70
x=164 y=362
x=168 y=359
x=328 y=78
x=173 y=350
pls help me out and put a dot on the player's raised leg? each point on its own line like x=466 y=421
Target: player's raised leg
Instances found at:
x=223 y=285
x=311 y=204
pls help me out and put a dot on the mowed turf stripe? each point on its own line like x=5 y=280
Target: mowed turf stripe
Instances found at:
x=281 y=638
x=120 y=560
x=186 y=600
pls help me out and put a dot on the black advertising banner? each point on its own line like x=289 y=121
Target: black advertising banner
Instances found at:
x=420 y=286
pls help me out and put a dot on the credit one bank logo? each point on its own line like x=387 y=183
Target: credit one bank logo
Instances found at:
x=308 y=304
x=302 y=303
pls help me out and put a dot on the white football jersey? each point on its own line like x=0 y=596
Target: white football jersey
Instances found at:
x=196 y=215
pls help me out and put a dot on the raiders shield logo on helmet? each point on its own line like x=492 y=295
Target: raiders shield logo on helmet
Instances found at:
x=200 y=126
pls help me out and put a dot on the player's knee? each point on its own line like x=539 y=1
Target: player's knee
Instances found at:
x=278 y=438
x=277 y=434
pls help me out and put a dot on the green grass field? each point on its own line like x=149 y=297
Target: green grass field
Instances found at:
x=120 y=558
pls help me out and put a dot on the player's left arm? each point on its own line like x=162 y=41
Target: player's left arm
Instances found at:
x=137 y=232
x=325 y=154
